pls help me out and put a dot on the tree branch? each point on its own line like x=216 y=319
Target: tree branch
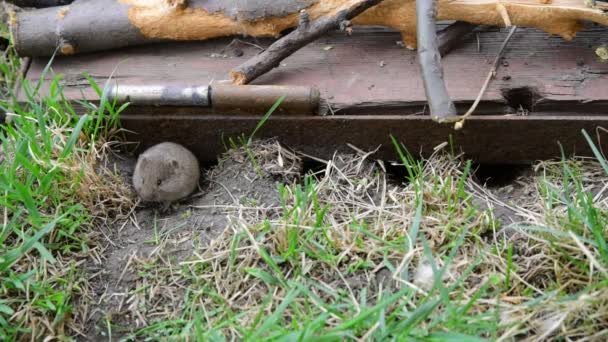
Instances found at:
x=430 y=61
x=449 y=37
x=304 y=34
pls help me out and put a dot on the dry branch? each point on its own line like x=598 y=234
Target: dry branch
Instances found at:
x=430 y=61
x=461 y=119
x=271 y=57
x=449 y=37
x=93 y=25
x=305 y=33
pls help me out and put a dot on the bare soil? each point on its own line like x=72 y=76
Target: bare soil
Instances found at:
x=237 y=183
x=185 y=227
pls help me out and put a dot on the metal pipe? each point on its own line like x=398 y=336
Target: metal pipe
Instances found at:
x=225 y=99
x=160 y=95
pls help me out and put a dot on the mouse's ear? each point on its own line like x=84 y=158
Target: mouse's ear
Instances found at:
x=143 y=162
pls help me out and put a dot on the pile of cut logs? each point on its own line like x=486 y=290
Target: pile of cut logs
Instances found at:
x=67 y=28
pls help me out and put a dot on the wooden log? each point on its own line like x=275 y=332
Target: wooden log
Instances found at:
x=93 y=25
x=440 y=104
x=71 y=29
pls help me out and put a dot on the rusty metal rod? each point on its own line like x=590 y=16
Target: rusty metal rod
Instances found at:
x=222 y=98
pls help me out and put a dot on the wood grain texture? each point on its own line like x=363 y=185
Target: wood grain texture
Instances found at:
x=488 y=139
x=366 y=70
x=248 y=10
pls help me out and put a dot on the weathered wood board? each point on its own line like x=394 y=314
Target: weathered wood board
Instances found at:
x=370 y=73
x=367 y=67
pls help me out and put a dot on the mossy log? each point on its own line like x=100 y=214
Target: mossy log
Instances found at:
x=93 y=25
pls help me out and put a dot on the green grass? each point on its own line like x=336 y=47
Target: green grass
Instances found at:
x=348 y=255
x=293 y=275
x=45 y=208
x=286 y=262
x=246 y=142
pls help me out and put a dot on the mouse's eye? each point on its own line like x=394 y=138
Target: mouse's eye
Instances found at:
x=159 y=182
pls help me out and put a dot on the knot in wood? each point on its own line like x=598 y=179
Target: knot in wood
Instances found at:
x=304 y=18
x=178 y=4
x=346 y=26
x=66 y=48
x=602 y=53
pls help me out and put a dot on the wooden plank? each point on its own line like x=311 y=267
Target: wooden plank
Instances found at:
x=366 y=69
x=375 y=82
x=485 y=139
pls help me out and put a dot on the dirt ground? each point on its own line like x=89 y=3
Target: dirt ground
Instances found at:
x=360 y=228
x=186 y=227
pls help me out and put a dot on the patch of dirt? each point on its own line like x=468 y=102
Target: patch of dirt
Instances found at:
x=514 y=194
x=186 y=227
x=155 y=260
x=511 y=186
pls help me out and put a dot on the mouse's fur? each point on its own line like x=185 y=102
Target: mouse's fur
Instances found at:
x=165 y=173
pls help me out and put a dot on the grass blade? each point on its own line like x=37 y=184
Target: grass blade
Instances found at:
x=12 y=256
x=598 y=155
x=265 y=118
x=74 y=136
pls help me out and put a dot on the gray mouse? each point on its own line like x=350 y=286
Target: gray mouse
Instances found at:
x=166 y=173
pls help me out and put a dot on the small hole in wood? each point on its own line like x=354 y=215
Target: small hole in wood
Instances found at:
x=521 y=98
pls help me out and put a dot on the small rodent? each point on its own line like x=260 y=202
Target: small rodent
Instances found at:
x=165 y=173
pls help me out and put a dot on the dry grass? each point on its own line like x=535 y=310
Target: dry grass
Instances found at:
x=351 y=253
x=99 y=196
x=557 y=286
x=55 y=194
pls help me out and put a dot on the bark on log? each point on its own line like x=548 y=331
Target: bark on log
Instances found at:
x=430 y=61
x=306 y=33
x=92 y=25
x=83 y=26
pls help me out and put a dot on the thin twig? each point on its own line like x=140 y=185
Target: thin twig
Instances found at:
x=460 y=120
x=240 y=41
x=124 y=271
